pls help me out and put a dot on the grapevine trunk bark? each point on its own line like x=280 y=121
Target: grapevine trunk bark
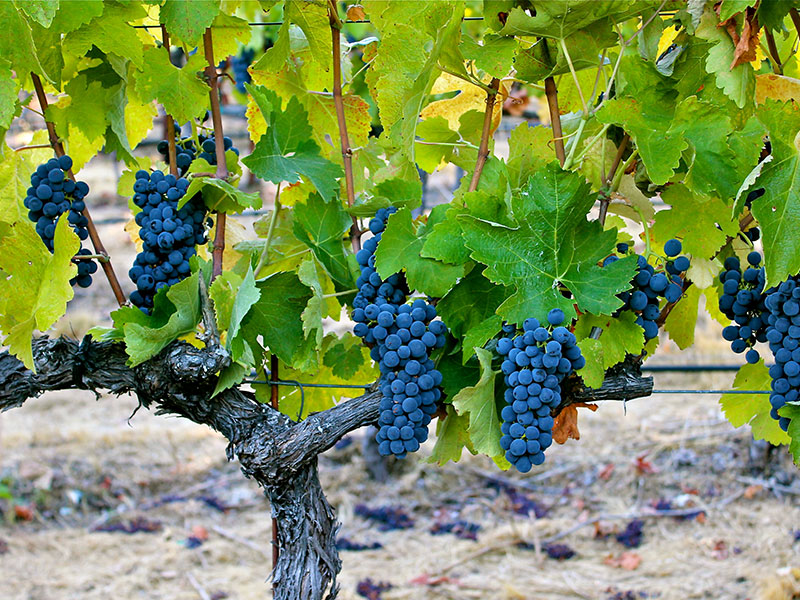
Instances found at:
x=279 y=454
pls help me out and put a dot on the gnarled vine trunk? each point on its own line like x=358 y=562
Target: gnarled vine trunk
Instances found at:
x=279 y=454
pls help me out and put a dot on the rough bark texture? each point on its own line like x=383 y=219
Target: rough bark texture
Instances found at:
x=279 y=454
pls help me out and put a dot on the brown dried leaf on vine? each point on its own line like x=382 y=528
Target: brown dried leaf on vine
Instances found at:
x=747 y=42
x=566 y=423
x=356 y=12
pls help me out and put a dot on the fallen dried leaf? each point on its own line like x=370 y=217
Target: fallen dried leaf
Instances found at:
x=746 y=43
x=752 y=490
x=720 y=550
x=566 y=423
x=23 y=512
x=627 y=560
x=644 y=467
x=426 y=579
x=605 y=474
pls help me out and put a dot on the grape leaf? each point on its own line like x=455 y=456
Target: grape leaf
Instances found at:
x=322 y=226
x=344 y=357
x=223 y=293
x=71 y=15
x=188 y=20
x=111 y=33
x=313 y=275
x=554 y=245
x=400 y=249
x=753 y=409
x=276 y=316
x=286 y=151
x=34 y=287
x=247 y=295
x=699 y=235
x=593 y=372
x=389 y=192
x=19 y=49
x=176 y=311
x=221 y=196
x=682 y=321
x=527 y=152
x=230 y=376
x=183 y=94
x=562 y=18
x=478 y=401
x=738 y=83
x=621 y=335
x=778 y=210
x=495 y=55
x=41 y=11
x=451 y=438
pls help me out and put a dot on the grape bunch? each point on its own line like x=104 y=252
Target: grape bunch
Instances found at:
x=743 y=301
x=401 y=337
x=168 y=234
x=649 y=286
x=50 y=195
x=536 y=362
x=753 y=234
x=783 y=335
x=239 y=64
x=186 y=150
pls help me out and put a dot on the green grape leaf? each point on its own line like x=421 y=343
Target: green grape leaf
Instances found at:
x=389 y=192
x=792 y=411
x=400 y=249
x=41 y=11
x=71 y=15
x=313 y=275
x=344 y=358
x=312 y=18
x=34 y=287
x=286 y=151
x=554 y=245
x=322 y=226
x=452 y=437
x=495 y=55
x=229 y=34
x=223 y=293
x=562 y=18
x=753 y=409
x=276 y=316
x=593 y=372
x=230 y=376
x=478 y=401
x=111 y=33
x=699 y=235
x=528 y=152
x=737 y=83
x=434 y=146
x=221 y=196
x=182 y=92
x=189 y=20
x=682 y=321
x=8 y=96
x=176 y=311
x=15 y=173
x=621 y=335
x=469 y=308
x=246 y=296
x=647 y=119
x=317 y=399
x=19 y=49
x=778 y=210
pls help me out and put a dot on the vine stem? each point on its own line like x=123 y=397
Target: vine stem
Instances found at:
x=173 y=165
x=263 y=260
x=58 y=148
x=605 y=198
x=222 y=166
x=777 y=68
x=486 y=133
x=275 y=403
x=551 y=92
x=338 y=101
x=795 y=15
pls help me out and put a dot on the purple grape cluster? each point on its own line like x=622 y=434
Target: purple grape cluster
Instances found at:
x=536 y=362
x=783 y=335
x=401 y=337
x=50 y=195
x=743 y=301
x=649 y=286
x=186 y=150
x=169 y=235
